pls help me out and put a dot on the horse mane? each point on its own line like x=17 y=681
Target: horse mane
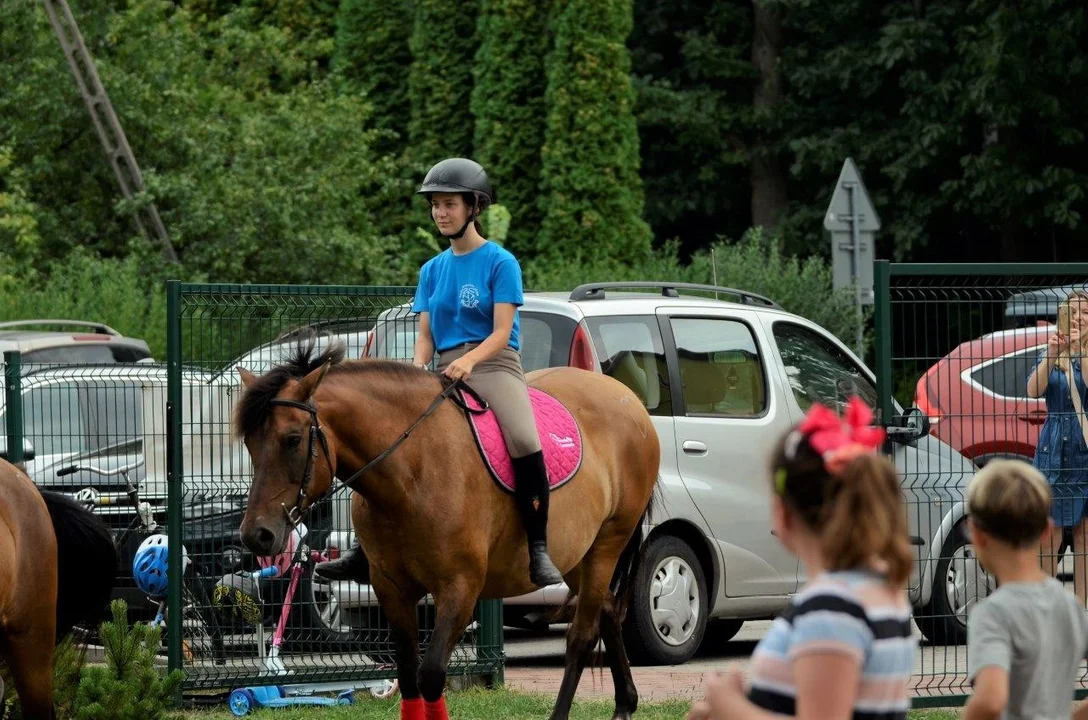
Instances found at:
x=255 y=403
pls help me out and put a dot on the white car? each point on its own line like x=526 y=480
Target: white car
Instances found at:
x=722 y=380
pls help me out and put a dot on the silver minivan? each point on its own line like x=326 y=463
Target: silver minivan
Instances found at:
x=723 y=378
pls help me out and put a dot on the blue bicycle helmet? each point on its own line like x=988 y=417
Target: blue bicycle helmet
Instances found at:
x=149 y=565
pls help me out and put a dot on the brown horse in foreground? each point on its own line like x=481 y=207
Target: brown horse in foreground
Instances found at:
x=58 y=564
x=428 y=514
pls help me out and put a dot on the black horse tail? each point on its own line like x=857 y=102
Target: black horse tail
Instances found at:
x=627 y=565
x=87 y=563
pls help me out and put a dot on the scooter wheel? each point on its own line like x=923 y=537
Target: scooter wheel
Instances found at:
x=385 y=691
x=240 y=702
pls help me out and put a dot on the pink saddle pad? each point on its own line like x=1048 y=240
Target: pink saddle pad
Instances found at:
x=560 y=439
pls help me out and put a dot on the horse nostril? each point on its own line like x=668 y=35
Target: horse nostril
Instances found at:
x=264 y=540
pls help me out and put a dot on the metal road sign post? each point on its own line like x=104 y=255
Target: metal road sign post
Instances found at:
x=853 y=223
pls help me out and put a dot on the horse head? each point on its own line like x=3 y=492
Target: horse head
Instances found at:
x=293 y=461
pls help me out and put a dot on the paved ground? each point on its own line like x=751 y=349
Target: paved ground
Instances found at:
x=535 y=664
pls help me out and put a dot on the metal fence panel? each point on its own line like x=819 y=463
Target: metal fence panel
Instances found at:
x=958 y=342
x=334 y=631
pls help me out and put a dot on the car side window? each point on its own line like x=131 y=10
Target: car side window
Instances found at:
x=1006 y=377
x=53 y=420
x=818 y=371
x=631 y=351
x=114 y=414
x=720 y=367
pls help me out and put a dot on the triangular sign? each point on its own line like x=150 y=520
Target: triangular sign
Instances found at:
x=837 y=218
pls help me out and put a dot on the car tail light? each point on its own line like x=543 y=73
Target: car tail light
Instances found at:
x=369 y=344
x=581 y=349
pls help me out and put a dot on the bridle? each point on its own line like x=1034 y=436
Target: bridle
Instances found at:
x=296 y=513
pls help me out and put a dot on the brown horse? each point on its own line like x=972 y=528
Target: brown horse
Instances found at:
x=427 y=512
x=58 y=564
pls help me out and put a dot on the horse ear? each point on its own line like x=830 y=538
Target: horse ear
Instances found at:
x=248 y=378
x=309 y=383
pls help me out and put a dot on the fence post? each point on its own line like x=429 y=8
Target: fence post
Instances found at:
x=491 y=638
x=173 y=476
x=883 y=350
x=14 y=403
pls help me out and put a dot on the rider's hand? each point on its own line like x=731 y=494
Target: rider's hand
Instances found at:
x=460 y=369
x=1057 y=344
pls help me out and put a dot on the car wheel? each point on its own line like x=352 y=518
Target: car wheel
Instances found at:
x=959 y=583
x=668 y=612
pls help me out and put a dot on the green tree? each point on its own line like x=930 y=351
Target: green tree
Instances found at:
x=592 y=194
x=20 y=242
x=508 y=104
x=129 y=687
x=694 y=77
x=443 y=46
x=372 y=57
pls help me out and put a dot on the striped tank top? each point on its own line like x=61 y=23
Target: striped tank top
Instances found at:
x=846 y=612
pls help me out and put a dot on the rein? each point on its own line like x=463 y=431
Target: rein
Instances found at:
x=295 y=514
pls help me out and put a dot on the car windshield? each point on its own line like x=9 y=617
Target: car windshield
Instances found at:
x=262 y=359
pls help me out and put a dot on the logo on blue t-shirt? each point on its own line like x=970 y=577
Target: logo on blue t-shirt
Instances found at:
x=470 y=295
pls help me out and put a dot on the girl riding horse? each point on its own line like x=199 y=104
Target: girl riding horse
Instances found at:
x=467 y=299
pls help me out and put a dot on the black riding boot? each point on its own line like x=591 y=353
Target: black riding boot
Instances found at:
x=531 y=497
x=351 y=565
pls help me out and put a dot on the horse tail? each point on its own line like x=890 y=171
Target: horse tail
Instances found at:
x=87 y=562
x=627 y=565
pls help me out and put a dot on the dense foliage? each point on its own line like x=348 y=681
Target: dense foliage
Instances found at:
x=282 y=141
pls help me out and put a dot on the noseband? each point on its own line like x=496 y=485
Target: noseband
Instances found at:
x=295 y=514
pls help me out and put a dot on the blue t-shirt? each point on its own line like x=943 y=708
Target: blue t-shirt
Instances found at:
x=460 y=292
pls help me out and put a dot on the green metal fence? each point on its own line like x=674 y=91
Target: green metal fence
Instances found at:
x=959 y=341
x=335 y=631
x=89 y=416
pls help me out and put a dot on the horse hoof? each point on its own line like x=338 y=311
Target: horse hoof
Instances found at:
x=622 y=715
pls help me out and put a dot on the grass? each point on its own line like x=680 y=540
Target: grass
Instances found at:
x=483 y=705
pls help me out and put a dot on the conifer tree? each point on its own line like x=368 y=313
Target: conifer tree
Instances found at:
x=593 y=196
x=508 y=105
x=443 y=46
x=372 y=57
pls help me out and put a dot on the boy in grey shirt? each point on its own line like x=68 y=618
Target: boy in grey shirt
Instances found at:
x=1026 y=640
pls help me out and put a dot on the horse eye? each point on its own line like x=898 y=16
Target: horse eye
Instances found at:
x=292 y=441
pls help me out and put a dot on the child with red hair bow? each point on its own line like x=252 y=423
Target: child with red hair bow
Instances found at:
x=843 y=648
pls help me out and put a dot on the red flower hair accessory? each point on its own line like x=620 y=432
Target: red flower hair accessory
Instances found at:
x=840 y=440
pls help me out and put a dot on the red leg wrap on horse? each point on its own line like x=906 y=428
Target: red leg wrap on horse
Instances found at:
x=437 y=710
x=411 y=709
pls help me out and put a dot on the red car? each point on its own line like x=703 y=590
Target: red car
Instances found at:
x=976 y=395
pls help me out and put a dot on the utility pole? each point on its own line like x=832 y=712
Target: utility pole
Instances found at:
x=105 y=122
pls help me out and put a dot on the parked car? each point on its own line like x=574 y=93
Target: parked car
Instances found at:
x=91 y=343
x=976 y=396
x=1032 y=307
x=113 y=415
x=722 y=381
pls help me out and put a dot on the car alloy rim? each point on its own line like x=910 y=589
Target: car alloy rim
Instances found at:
x=965 y=582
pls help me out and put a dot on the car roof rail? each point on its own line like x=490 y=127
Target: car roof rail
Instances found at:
x=99 y=328
x=595 y=291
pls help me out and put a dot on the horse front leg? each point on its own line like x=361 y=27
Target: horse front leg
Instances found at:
x=400 y=610
x=454 y=605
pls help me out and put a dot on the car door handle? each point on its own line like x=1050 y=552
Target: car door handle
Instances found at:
x=694 y=447
x=1033 y=417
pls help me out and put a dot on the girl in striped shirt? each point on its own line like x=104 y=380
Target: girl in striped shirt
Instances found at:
x=844 y=647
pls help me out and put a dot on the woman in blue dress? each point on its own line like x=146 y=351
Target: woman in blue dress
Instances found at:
x=1061 y=453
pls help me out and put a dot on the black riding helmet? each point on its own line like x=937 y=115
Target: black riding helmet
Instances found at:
x=464 y=176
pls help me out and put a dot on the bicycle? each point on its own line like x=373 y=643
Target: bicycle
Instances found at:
x=202 y=638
